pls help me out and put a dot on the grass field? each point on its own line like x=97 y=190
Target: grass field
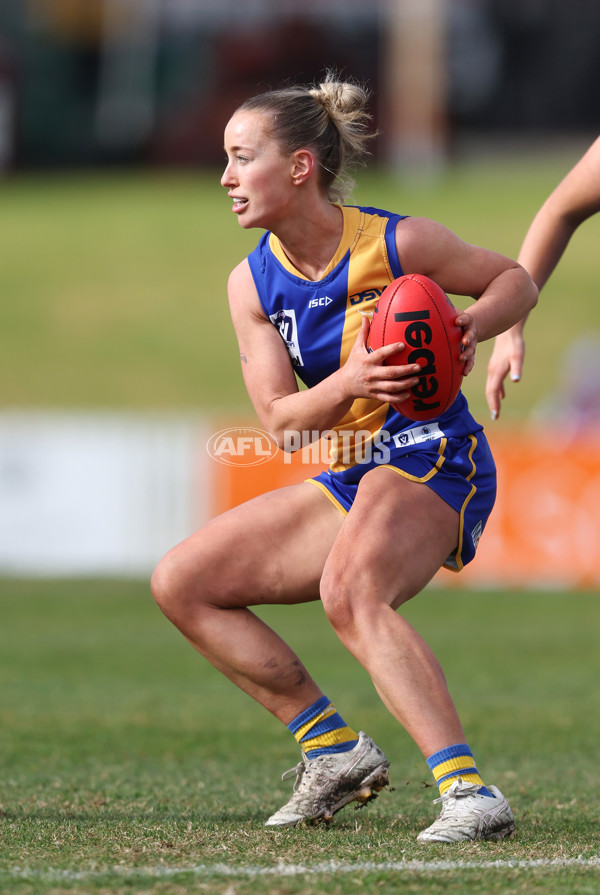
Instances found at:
x=113 y=286
x=128 y=764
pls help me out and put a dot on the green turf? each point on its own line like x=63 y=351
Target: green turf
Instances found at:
x=123 y=756
x=128 y=764
x=114 y=286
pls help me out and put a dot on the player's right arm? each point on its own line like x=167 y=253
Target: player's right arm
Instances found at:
x=576 y=198
x=269 y=375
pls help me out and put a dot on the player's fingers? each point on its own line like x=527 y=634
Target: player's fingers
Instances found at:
x=494 y=405
x=362 y=339
x=396 y=392
x=404 y=383
x=393 y=372
x=494 y=393
x=469 y=331
x=516 y=368
x=387 y=351
x=469 y=364
x=468 y=350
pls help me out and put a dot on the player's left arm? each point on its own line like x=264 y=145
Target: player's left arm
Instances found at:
x=503 y=290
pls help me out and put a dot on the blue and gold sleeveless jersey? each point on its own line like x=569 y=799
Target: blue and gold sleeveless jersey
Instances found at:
x=319 y=323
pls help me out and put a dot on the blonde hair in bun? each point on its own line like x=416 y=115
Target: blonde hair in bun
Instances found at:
x=331 y=119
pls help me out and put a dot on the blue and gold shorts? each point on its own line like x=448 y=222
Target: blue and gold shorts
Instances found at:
x=460 y=469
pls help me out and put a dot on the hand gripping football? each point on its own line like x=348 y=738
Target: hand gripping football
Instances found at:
x=416 y=311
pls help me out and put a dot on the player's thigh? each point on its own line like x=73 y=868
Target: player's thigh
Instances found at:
x=271 y=549
x=396 y=536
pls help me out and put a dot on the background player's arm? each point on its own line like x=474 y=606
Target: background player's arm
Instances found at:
x=269 y=375
x=576 y=198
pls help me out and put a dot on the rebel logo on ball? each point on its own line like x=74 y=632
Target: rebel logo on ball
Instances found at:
x=416 y=312
x=417 y=335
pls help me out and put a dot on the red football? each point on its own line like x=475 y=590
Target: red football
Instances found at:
x=416 y=311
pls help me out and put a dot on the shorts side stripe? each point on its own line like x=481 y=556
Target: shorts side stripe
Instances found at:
x=461 y=527
x=328 y=494
x=430 y=474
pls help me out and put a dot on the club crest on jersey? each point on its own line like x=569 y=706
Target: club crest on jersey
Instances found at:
x=285 y=321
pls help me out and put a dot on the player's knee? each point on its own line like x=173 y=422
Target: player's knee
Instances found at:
x=170 y=585
x=161 y=583
x=338 y=599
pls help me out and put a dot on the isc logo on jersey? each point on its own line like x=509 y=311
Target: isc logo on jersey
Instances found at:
x=320 y=302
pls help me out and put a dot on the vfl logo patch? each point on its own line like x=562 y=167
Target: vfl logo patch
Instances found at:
x=417 y=435
x=285 y=321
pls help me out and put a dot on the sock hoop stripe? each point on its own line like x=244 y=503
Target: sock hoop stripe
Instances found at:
x=452 y=753
x=318 y=722
x=462 y=772
x=309 y=714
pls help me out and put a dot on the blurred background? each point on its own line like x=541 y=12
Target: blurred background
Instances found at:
x=117 y=358
x=152 y=82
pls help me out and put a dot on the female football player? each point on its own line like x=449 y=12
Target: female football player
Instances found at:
x=368 y=534
x=575 y=199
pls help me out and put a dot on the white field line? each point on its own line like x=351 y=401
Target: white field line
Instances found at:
x=290 y=870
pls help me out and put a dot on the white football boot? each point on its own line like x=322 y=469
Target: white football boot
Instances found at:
x=467 y=815
x=325 y=784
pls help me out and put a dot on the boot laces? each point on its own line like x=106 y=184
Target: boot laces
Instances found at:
x=458 y=792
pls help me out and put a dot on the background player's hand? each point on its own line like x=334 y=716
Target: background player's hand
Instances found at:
x=468 y=341
x=507 y=357
x=368 y=376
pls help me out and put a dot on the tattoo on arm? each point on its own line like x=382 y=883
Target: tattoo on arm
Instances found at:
x=243 y=358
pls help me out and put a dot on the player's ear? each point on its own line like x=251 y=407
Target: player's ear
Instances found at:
x=303 y=165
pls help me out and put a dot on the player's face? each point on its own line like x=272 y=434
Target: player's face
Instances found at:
x=258 y=174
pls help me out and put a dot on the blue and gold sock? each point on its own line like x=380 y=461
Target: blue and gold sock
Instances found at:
x=319 y=729
x=455 y=761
